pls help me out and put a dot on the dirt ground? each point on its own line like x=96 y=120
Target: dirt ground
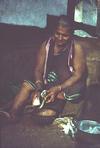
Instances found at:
x=26 y=134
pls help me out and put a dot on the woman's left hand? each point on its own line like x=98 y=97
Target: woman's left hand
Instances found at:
x=52 y=93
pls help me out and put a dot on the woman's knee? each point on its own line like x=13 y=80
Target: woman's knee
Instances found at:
x=27 y=86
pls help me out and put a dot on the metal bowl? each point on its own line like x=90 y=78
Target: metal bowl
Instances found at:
x=88 y=131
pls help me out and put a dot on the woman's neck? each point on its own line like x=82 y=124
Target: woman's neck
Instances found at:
x=60 y=48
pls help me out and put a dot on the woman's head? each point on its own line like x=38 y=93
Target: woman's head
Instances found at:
x=63 y=30
x=64 y=21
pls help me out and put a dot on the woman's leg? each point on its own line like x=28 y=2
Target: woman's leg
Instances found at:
x=21 y=98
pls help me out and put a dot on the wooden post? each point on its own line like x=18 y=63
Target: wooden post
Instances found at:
x=71 y=9
x=98 y=17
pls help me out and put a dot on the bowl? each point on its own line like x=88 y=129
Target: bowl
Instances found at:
x=41 y=118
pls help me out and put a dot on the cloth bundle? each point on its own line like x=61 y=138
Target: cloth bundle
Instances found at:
x=67 y=125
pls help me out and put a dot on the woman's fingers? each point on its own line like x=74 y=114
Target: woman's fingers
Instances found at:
x=50 y=98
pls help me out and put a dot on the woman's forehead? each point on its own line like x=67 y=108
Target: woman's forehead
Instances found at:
x=63 y=29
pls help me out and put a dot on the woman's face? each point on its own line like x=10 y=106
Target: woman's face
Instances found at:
x=62 y=35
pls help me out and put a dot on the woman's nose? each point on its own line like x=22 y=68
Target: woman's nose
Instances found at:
x=60 y=37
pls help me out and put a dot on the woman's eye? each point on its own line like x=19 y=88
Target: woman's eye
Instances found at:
x=57 y=33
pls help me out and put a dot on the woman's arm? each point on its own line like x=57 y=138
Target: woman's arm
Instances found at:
x=79 y=64
x=39 y=68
